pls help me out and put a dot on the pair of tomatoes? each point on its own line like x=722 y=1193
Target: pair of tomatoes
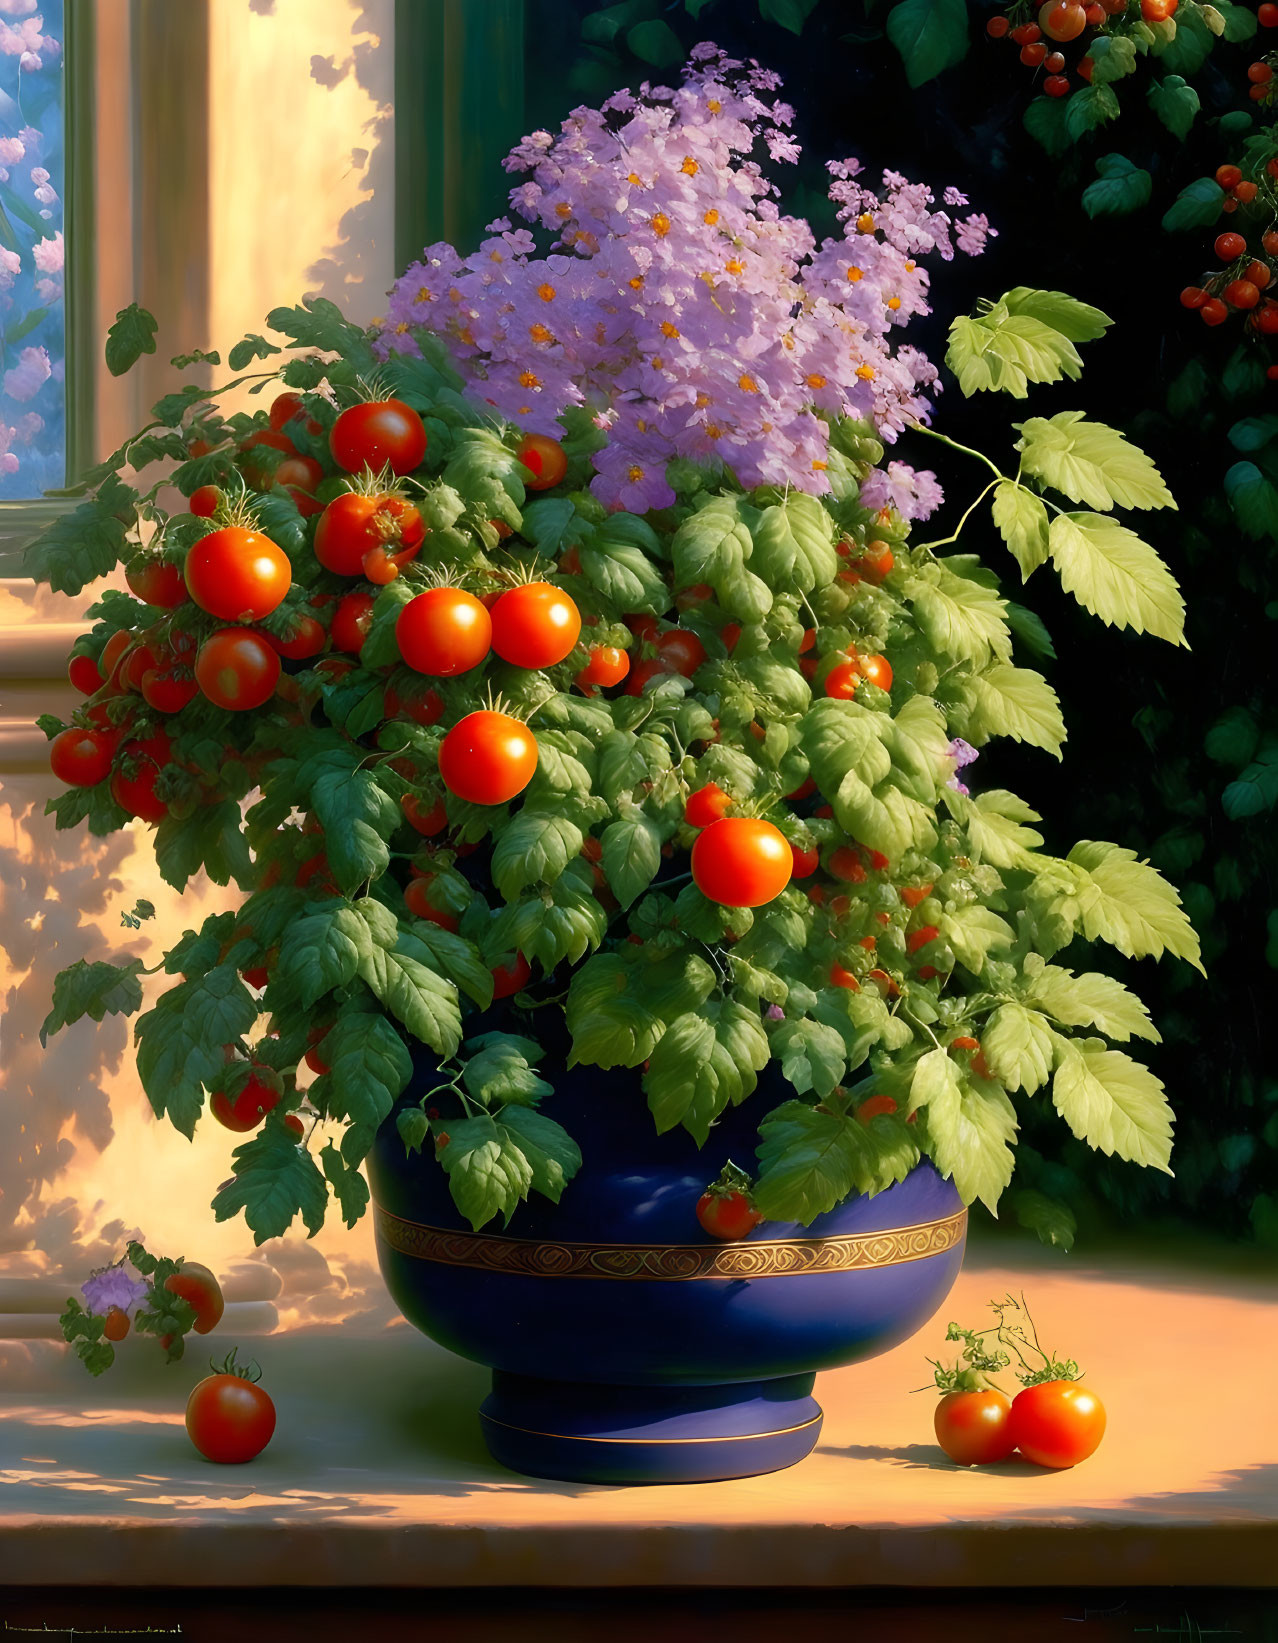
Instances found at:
x=1054 y=1423
x=842 y=679
x=447 y=631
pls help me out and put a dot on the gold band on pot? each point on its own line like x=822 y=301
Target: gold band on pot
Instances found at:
x=762 y=1258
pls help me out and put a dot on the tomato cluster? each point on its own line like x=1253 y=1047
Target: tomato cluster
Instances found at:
x=1061 y=23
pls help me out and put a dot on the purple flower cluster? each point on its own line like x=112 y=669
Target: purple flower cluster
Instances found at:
x=679 y=306
x=110 y=1286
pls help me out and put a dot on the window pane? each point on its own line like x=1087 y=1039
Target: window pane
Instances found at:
x=32 y=318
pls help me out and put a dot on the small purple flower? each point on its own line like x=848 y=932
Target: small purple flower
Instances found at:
x=963 y=754
x=775 y=1013
x=112 y=1286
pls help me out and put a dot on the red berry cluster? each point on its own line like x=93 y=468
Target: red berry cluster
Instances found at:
x=1239 y=285
x=1060 y=22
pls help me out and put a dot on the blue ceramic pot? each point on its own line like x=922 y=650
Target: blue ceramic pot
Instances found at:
x=626 y=1346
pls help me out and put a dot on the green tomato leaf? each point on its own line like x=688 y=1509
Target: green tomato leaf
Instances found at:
x=534 y=848
x=1253 y=499
x=1052 y=1220
x=1176 y=105
x=1078 y=321
x=794 y=544
x=971 y=1129
x=369 y=1065
x=1129 y=904
x=1121 y=188
x=349 y=1186
x=1021 y=520
x=631 y=856
x=404 y=979
x=1116 y=576
x=323 y=950
x=550 y=1152
x=609 y=1015
x=704 y=1062
x=813 y=1056
x=94 y=990
x=1016 y=702
x=1113 y=58
x=488 y=1173
x=959 y=617
x=1089 y=462
x=931 y=36
x=500 y=1071
x=179 y=1042
x=1196 y=206
x=810 y=1161
x=1115 y=1105
x=1019 y=1047
x=275 y=1180
x=131 y=336
x=1092 y=1000
x=1046 y=121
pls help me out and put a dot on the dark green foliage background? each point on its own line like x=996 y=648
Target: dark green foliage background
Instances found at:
x=1136 y=768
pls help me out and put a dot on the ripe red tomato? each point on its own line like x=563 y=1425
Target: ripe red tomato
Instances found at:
x=136 y=793
x=874 y=1106
x=805 y=861
x=846 y=864
x=839 y=977
x=681 y=651
x=972 y=1427
x=359 y=533
x=1033 y=54
x=196 y=1285
x=1057 y=1423
x=1026 y=33
x=427 y=822
x=204 y=500
x=116 y=1326
x=510 y=979
x=913 y=894
x=535 y=625
x=997 y=27
x=424 y=708
x=113 y=650
x=378 y=433
x=443 y=632
x=841 y=680
x=921 y=938
x=159 y=583
x=708 y=804
x=262 y=1092
x=545 y=459
x=82 y=758
x=292 y=1121
x=1214 y=312
x=1259 y=273
x=417 y=900
x=297 y=473
x=1227 y=176
x=1267 y=15
x=237 y=575
x=229 y=1418
x=1056 y=85
x=608 y=665
x=1241 y=294
x=258 y=477
x=307 y=638
x=741 y=861
x=83 y=673
x=727 y=1215
x=1230 y=246
x=1062 y=20
x=878 y=670
x=237 y=669
x=351 y=621
x=165 y=692
x=488 y=757
x=135 y=663
x=652 y=667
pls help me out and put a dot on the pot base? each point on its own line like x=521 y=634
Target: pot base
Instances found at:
x=591 y=1433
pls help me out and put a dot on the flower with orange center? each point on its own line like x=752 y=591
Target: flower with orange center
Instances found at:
x=787 y=341
x=711 y=217
x=714 y=105
x=541 y=333
x=689 y=166
x=634 y=473
x=636 y=284
x=818 y=466
x=636 y=179
x=854 y=274
x=734 y=266
x=466 y=335
x=660 y=225
x=658 y=364
x=865 y=223
x=865 y=372
x=668 y=330
x=424 y=295
x=815 y=380
x=546 y=292
x=747 y=384
x=894 y=303
x=910 y=267
x=713 y=431
x=563 y=210
x=401 y=327
x=529 y=379
x=496 y=256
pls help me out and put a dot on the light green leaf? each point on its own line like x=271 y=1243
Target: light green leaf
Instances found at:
x=1002 y=350
x=1017 y=702
x=1078 y=321
x=1113 y=58
x=500 y=1071
x=611 y=1022
x=1021 y=520
x=1115 y=1105
x=1090 y=463
x=997 y=828
x=712 y=545
x=1116 y=576
x=488 y=1173
x=931 y=36
x=971 y=1129
x=1092 y=1000
x=560 y=921
x=618 y=560
x=1121 y=188
x=552 y=1154
x=1089 y=107
x=1129 y=904
x=410 y=988
x=794 y=544
x=973 y=932
x=960 y=617
x=1018 y=1046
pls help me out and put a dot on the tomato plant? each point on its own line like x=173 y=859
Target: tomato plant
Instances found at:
x=361 y=533
x=229 y=1417
x=608 y=665
x=545 y=459
x=725 y=1209
x=708 y=804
